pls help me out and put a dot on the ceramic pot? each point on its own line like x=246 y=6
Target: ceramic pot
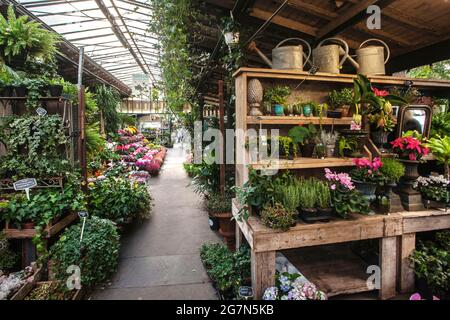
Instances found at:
x=307 y=110
x=227 y=228
x=366 y=188
x=329 y=150
x=278 y=110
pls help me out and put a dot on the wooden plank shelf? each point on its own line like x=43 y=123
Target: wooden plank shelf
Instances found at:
x=51 y=230
x=339 y=78
x=297 y=120
x=303 y=163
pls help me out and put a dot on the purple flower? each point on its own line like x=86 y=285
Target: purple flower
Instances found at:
x=270 y=293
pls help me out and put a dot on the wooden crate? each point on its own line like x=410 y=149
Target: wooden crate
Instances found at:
x=28 y=286
x=77 y=294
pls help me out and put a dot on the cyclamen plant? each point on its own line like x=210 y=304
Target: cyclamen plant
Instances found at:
x=433 y=188
x=367 y=171
x=341 y=181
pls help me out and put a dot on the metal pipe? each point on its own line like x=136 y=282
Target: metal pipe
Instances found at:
x=80 y=67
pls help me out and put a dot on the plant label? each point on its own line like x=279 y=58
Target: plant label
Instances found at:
x=83 y=214
x=25 y=185
x=41 y=111
x=246 y=293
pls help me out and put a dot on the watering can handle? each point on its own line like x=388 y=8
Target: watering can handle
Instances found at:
x=383 y=43
x=304 y=42
x=344 y=44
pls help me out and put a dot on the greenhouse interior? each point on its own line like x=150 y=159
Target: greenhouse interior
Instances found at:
x=190 y=150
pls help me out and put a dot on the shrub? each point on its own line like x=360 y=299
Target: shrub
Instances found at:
x=7 y=258
x=277 y=217
x=392 y=170
x=117 y=199
x=97 y=255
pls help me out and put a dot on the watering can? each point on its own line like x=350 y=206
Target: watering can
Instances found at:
x=286 y=57
x=370 y=60
x=326 y=57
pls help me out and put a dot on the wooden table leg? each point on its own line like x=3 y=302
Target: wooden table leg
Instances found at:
x=388 y=264
x=407 y=276
x=263 y=272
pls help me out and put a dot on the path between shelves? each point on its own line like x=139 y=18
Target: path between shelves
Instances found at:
x=159 y=258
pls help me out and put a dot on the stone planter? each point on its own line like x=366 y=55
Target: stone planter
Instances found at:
x=411 y=175
x=367 y=189
x=380 y=138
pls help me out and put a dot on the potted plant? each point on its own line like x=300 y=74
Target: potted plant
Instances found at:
x=410 y=150
x=323 y=193
x=277 y=96
x=440 y=147
x=276 y=216
x=391 y=172
x=434 y=190
x=219 y=206
x=341 y=100
x=230 y=29
x=329 y=139
x=308 y=201
x=345 y=198
x=366 y=176
x=308 y=108
x=55 y=87
x=21 y=39
x=287 y=147
x=306 y=137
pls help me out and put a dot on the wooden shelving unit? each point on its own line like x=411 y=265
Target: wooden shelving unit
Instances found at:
x=303 y=163
x=297 y=120
x=396 y=232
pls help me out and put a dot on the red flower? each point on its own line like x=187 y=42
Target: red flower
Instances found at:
x=380 y=93
x=412 y=156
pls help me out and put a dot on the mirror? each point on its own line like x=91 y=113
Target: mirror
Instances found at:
x=414 y=117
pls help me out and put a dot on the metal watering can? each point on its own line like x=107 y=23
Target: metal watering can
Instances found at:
x=370 y=60
x=327 y=57
x=286 y=57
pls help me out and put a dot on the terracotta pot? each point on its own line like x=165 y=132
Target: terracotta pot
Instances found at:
x=345 y=110
x=227 y=228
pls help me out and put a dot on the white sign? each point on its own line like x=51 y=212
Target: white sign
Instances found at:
x=41 y=111
x=25 y=185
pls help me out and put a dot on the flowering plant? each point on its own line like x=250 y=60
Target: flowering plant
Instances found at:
x=345 y=198
x=409 y=147
x=433 y=188
x=293 y=287
x=367 y=171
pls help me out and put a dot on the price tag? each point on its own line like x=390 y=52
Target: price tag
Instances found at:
x=83 y=215
x=246 y=293
x=41 y=111
x=25 y=185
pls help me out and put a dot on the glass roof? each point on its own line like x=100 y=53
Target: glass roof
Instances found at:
x=128 y=52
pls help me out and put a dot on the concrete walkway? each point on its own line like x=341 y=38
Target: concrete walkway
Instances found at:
x=159 y=258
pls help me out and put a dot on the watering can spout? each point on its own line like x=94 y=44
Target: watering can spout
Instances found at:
x=252 y=47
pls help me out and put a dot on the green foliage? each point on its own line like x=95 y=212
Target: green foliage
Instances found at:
x=117 y=199
x=229 y=270
x=343 y=97
x=207 y=179
x=392 y=170
x=440 y=125
x=323 y=194
x=303 y=135
x=218 y=203
x=35 y=146
x=438 y=70
x=97 y=255
x=108 y=100
x=45 y=204
x=432 y=261
x=8 y=258
x=347 y=144
x=308 y=194
x=127 y=120
x=277 y=95
x=289 y=196
x=94 y=141
x=21 y=37
x=351 y=201
x=287 y=146
x=277 y=217
x=440 y=147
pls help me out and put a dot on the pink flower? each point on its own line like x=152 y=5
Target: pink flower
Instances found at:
x=355 y=126
x=412 y=157
x=376 y=164
x=333 y=187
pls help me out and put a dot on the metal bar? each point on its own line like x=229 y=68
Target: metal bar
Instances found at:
x=222 y=141
x=80 y=31
x=75 y=22
x=91 y=37
x=80 y=68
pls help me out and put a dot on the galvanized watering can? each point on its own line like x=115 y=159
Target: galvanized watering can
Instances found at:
x=326 y=58
x=286 y=57
x=370 y=60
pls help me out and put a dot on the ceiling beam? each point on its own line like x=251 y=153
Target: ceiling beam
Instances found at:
x=348 y=18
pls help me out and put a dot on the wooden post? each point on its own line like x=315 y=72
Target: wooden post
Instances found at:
x=407 y=276
x=388 y=264
x=222 y=140
x=82 y=136
x=263 y=272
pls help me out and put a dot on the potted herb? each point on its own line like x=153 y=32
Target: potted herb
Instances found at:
x=345 y=198
x=323 y=193
x=277 y=96
x=410 y=150
x=288 y=149
x=305 y=137
x=276 y=216
x=341 y=100
x=308 y=201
